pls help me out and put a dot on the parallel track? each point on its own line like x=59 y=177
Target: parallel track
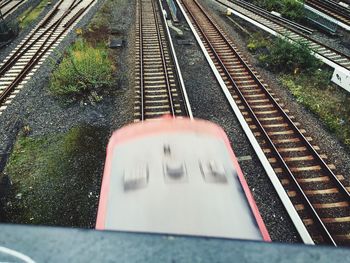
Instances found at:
x=318 y=195
x=278 y=20
x=158 y=89
x=332 y=9
x=333 y=55
x=27 y=57
x=7 y=7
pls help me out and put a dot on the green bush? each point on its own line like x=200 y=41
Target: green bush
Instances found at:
x=257 y=42
x=292 y=9
x=83 y=73
x=291 y=57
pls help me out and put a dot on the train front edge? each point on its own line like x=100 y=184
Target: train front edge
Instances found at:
x=176 y=176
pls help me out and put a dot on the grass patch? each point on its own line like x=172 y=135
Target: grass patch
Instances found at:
x=327 y=102
x=84 y=73
x=292 y=9
x=31 y=14
x=55 y=178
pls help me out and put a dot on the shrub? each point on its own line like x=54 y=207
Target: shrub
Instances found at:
x=291 y=57
x=83 y=73
x=257 y=43
x=292 y=9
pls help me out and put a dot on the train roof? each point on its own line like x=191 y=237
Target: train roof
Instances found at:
x=147 y=189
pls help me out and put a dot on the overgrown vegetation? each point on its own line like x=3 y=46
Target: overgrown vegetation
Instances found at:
x=56 y=175
x=31 y=14
x=307 y=79
x=290 y=57
x=102 y=18
x=292 y=9
x=257 y=42
x=331 y=104
x=100 y=26
x=84 y=72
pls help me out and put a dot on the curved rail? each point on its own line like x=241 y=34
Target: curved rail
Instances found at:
x=47 y=39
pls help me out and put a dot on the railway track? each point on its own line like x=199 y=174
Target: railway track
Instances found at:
x=7 y=7
x=159 y=89
x=319 y=195
x=332 y=9
x=278 y=20
x=27 y=57
x=333 y=57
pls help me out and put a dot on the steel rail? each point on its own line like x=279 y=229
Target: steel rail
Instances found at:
x=165 y=70
x=295 y=128
x=4 y=3
x=142 y=84
x=331 y=7
x=53 y=13
x=187 y=107
x=279 y=20
x=14 y=58
x=159 y=85
x=38 y=55
x=12 y=7
x=271 y=174
x=303 y=35
x=325 y=231
x=19 y=51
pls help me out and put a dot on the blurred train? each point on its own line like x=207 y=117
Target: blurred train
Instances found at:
x=176 y=176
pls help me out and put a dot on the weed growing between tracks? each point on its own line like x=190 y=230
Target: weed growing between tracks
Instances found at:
x=83 y=73
x=87 y=69
x=56 y=175
x=308 y=80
